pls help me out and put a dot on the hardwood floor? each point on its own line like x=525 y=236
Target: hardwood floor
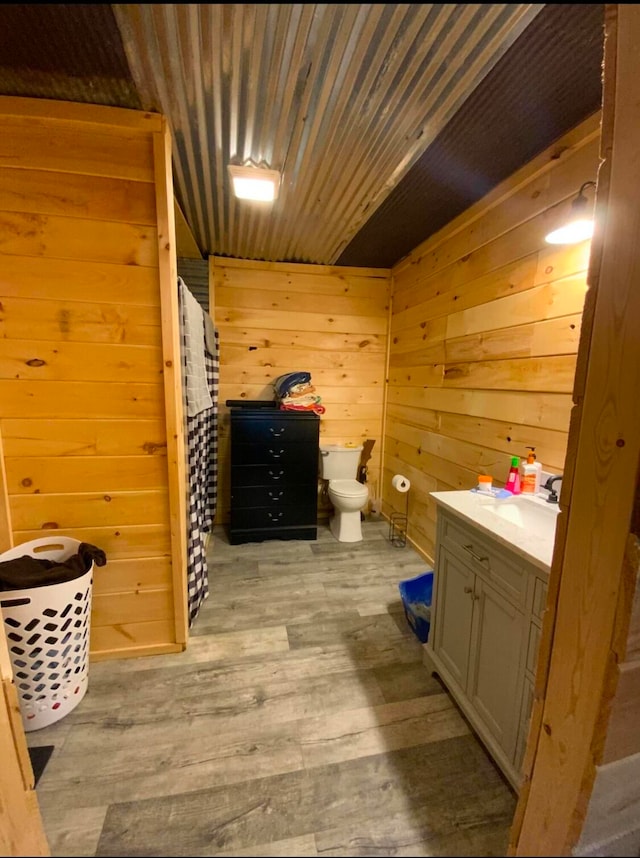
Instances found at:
x=299 y=721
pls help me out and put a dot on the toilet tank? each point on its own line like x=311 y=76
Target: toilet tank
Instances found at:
x=339 y=462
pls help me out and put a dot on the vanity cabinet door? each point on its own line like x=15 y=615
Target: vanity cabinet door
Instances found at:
x=454 y=608
x=494 y=669
x=481 y=642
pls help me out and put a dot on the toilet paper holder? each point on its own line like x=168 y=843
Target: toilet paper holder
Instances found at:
x=398 y=521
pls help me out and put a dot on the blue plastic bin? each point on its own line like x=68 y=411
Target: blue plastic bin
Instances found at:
x=416 y=599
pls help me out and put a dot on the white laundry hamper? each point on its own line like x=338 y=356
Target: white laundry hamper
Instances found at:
x=47 y=630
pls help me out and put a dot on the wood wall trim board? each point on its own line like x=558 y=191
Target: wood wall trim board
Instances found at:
x=24 y=438
x=347 y=395
x=56 y=399
x=80 y=322
x=60 y=361
x=549 y=374
x=117 y=609
x=559 y=336
x=21 y=829
x=44 y=109
x=234 y=282
x=6 y=529
x=186 y=245
x=173 y=398
x=219 y=263
x=118 y=543
x=418 y=375
x=522 y=243
x=114 y=154
x=316 y=340
x=552 y=374
x=561 y=298
x=340 y=305
x=81 y=474
x=295 y=320
x=238 y=356
x=414 y=461
x=509 y=438
x=465 y=453
x=26 y=234
x=16 y=728
x=133 y=575
x=603 y=483
x=77 y=195
x=139 y=651
x=525 y=408
x=322 y=379
x=428 y=354
x=584 y=134
x=69 y=280
x=134 y=640
x=443 y=297
x=86 y=509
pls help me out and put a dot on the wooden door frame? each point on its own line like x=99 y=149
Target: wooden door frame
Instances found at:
x=589 y=591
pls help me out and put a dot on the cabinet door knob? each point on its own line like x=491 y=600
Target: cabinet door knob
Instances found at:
x=468 y=589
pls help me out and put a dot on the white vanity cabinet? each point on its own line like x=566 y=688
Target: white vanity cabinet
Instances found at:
x=486 y=617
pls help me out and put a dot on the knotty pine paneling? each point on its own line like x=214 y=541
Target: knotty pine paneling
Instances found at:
x=333 y=322
x=86 y=361
x=484 y=332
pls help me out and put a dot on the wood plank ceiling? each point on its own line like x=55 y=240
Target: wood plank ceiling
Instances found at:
x=385 y=120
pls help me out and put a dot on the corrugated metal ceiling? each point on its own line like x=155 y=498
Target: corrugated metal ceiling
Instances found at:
x=340 y=98
x=386 y=120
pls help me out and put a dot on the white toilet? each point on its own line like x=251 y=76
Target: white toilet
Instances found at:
x=339 y=465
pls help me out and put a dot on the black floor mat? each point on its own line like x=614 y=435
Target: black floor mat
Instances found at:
x=39 y=759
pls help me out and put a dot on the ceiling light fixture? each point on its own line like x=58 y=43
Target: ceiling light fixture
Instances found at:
x=580 y=225
x=255 y=183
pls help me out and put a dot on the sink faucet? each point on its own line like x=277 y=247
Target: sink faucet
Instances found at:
x=553 y=494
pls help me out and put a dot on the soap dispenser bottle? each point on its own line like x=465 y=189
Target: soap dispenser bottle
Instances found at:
x=531 y=472
x=513 y=480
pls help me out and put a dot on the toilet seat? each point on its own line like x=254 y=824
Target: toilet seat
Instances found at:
x=347 y=488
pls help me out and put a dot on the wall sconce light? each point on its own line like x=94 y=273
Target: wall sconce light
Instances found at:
x=254 y=183
x=580 y=225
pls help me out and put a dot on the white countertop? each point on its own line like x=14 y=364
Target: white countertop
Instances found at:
x=524 y=524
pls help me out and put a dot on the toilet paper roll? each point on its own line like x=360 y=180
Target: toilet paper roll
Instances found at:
x=400 y=483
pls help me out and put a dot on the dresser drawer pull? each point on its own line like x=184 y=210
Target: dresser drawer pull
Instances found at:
x=274 y=516
x=274 y=454
x=275 y=476
x=275 y=496
x=278 y=432
x=469 y=550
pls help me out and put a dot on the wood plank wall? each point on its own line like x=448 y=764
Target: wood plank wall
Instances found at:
x=275 y=318
x=484 y=334
x=90 y=387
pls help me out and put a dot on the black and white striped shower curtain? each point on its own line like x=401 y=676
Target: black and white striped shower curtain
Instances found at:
x=202 y=459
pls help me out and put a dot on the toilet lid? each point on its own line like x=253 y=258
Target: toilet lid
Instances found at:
x=348 y=488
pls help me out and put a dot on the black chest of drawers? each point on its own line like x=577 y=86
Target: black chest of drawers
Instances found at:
x=274 y=474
